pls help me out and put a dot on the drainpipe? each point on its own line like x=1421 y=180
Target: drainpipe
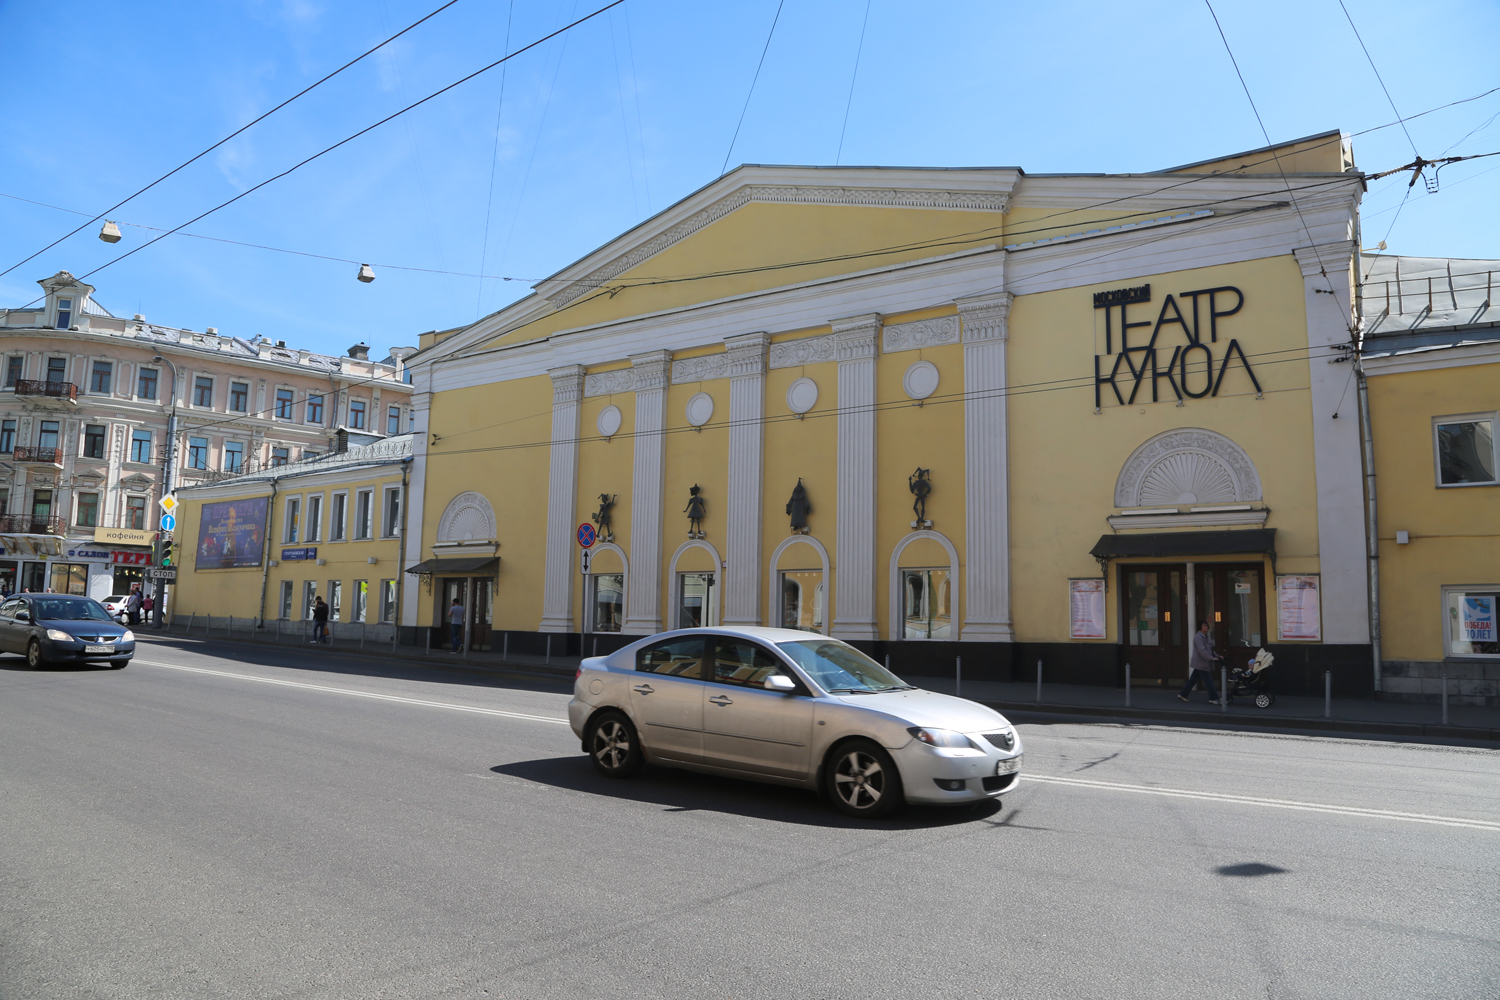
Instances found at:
x=401 y=550
x=1372 y=540
x=265 y=563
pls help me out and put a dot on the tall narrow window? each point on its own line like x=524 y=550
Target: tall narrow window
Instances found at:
x=309 y=595
x=393 y=420
x=315 y=409
x=284 y=404
x=286 y=599
x=197 y=456
x=41 y=506
x=239 y=396
x=338 y=523
x=293 y=519
x=5 y=502
x=364 y=514
x=387 y=600
x=335 y=598
x=361 y=600
x=103 y=375
x=46 y=437
x=57 y=369
x=7 y=436
x=203 y=391
x=93 y=440
x=145 y=383
x=280 y=456
x=88 y=510
x=64 y=313
x=234 y=456
x=14 y=366
x=135 y=512
x=357 y=414
x=314 y=529
x=140 y=447
x=392 y=513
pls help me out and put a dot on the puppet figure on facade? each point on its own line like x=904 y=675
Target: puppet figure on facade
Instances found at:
x=601 y=517
x=799 y=507
x=921 y=487
x=695 y=511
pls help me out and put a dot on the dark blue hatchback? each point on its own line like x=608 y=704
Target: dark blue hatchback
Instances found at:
x=62 y=628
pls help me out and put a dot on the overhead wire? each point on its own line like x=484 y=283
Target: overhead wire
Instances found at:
x=735 y=138
x=1378 y=77
x=489 y=201
x=236 y=132
x=853 y=77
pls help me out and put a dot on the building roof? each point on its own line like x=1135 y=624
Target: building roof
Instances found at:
x=390 y=451
x=1418 y=302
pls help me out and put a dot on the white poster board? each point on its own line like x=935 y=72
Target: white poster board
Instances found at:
x=1299 y=613
x=1086 y=608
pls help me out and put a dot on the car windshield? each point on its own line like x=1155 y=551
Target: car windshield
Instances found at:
x=839 y=668
x=56 y=609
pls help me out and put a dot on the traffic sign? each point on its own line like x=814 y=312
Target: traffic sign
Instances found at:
x=168 y=503
x=586 y=534
x=162 y=573
x=168 y=522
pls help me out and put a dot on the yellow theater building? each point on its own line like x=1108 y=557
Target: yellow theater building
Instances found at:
x=939 y=412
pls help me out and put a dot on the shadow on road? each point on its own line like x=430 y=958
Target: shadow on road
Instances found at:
x=689 y=791
x=17 y=662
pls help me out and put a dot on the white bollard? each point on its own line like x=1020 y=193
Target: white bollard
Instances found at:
x=1038 y=682
x=958 y=675
x=1328 y=694
x=1127 y=685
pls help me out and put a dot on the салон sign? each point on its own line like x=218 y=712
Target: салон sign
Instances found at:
x=1192 y=369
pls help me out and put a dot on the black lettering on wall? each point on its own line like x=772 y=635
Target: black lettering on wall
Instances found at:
x=1230 y=352
x=1208 y=361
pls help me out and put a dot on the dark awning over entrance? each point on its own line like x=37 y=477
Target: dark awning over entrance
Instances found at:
x=473 y=566
x=1185 y=543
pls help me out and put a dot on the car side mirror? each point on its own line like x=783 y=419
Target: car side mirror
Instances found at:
x=781 y=683
x=22 y=616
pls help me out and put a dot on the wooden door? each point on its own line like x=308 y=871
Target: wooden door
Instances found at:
x=1152 y=615
x=1232 y=599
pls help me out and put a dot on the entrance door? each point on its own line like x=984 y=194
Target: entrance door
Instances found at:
x=1231 y=598
x=481 y=610
x=1155 y=636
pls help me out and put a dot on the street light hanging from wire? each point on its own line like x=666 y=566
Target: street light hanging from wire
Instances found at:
x=366 y=274
x=110 y=233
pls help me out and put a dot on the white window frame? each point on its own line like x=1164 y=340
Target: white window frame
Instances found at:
x=323 y=404
x=1456 y=588
x=193 y=391
x=135 y=392
x=288 y=505
x=150 y=446
x=390 y=527
x=224 y=453
x=208 y=453
x=1493 y=417
x=293 y=408
x=360 y=612
x=312 y=531
x=335 y=599
x=349 y=414
x=249 y=385
x=335 y=499
x=364 y=526
x=285 y=609
x=309 y=594
x=388 y=607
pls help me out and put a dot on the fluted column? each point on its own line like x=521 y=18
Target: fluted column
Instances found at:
x=986 y=470
x=643 y=601
x=747 y=435
x=854 y=341
x=562 y=489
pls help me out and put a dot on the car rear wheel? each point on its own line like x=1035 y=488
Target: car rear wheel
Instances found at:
x=613 y=745
x=34 y=658
x=863 y=781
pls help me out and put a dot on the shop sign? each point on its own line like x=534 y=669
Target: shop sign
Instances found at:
x=100 y=556
x=130 y=558
x=124 y=536
x=1194 y=368
x=293 y=554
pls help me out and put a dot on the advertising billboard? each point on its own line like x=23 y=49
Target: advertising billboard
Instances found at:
x=230 y=534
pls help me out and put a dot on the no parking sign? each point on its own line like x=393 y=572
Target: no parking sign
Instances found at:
x=586 y=534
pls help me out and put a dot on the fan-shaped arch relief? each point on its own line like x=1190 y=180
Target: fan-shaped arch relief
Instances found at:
x=468 y=517
x=1187 y=466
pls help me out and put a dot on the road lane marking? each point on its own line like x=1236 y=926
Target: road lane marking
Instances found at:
x=357 y=694
x=1183 y=793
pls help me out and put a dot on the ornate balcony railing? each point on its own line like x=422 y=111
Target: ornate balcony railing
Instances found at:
x=30 y=524
x=38 y=387
x=41 y=456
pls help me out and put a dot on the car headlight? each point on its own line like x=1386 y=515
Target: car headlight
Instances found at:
x=58 y=635
x=129 y=636
x=940 y=737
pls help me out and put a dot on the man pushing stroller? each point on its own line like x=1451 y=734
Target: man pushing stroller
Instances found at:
x=1201 y=662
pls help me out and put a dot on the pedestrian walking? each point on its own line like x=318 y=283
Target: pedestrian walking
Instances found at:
x=133 y=605
x=1201 y=660
x=320 y=621
x=456 y=624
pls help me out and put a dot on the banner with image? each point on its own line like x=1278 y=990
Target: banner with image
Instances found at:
x=1298 y=610
x=1478 y=618
x=230 y=534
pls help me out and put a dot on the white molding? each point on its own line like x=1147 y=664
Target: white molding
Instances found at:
x=562 y=490
x=773 y=598
x=624 y=590
x=1423 y=359
x=855 y=340
x=1187 y=452
x=1157 y=521
x=695 y=543
x=643 y=600
x=914 y=372
x=987 y=617
x=919 y=334
x=609 y=383
x=747 y=407
x=805 y=351
x=702 y=369
x=792 y=390
x=896 y=629
x=465 y=503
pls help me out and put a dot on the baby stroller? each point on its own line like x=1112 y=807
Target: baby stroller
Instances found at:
x=1253 y=681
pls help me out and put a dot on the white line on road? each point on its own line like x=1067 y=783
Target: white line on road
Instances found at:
x=357 y=694
x=1250 y=800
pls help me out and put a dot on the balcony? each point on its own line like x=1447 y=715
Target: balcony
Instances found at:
x=30 y=524
x=56 y=390
x=38 y=456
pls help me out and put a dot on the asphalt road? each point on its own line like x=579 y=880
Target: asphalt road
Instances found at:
x=224 y=821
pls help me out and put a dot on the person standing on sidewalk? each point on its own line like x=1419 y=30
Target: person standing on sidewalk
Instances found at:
x=456 y=624
x=320 y=621
x=133 y=604
x=1201 y=661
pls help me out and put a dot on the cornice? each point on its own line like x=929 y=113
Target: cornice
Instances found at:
x=1325 y=258
x=747 y=354
x=567 y=384
x=651 y=369
x=986 y=317
x=855 y=337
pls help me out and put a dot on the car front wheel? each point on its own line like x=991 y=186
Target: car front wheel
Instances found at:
x=118 y=664
x=613 y=745
x=34 y=658
x=863 y=780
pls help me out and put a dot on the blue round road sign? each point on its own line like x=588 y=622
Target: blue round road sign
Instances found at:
x=585 y=534
x=168 y=522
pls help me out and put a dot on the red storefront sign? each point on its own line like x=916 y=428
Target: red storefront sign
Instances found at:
x=122 y=558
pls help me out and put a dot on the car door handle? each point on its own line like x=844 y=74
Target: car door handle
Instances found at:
x=721 y=700
x=644 y=689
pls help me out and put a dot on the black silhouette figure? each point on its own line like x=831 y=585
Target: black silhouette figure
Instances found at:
x=695 y=511
x=601 y=517
x=799 y=507
x=921 y=487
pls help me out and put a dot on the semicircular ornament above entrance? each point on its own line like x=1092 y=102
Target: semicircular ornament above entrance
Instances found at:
x=468 y=517
x=1189 y=465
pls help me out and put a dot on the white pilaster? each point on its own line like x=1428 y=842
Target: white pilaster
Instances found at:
x=562 y=489
x=854 y=577
x=643 y=602
x=1336 y=447
x=416 y=497
x=747 y=407
x=986 y=469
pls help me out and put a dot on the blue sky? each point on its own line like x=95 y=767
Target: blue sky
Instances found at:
x=614 y=121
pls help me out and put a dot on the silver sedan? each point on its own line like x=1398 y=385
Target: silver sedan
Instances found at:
x=791 y=708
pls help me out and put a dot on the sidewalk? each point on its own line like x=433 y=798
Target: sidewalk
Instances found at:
x=1467 y=724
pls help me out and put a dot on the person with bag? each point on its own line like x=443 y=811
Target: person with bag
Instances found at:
x=320 y=620
x=1201 y=661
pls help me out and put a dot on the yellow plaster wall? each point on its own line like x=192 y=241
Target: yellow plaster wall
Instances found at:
x=1455 y=532
x=604 y=466
x=693 y=456
x=1065 y=459
x=805 y=449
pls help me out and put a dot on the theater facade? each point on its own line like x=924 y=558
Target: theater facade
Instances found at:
x=973 y=412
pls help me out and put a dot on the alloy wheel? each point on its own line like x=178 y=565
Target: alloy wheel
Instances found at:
x=611 y=744
x=859 y=780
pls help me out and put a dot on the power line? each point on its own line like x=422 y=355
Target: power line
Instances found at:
x=354 y=136
x=489 y=202
x=769 y=35
x=231 y=135
x=858 y=52
x=1378 y=77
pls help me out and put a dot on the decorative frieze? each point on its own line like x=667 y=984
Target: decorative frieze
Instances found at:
x=807 y=351
x=609 y=383
x=704 y=369
x=920 y=334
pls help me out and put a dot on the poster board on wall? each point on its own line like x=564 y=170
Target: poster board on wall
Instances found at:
x=230 y=534
x=1299 y=612
x=1086 y=608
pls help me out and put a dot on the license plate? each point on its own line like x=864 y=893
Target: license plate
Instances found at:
x=98 y=649
x=1008 y=766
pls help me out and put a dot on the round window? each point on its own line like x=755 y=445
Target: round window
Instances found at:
x=609 y=420
x=699 y=409
x=920 y=380
x=801 y=395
